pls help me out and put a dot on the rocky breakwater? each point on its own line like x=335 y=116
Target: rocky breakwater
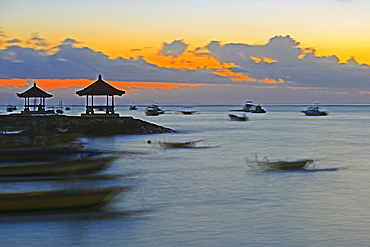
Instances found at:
x=86 y=126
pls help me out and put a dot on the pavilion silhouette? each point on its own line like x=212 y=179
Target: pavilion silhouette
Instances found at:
x=34 y=100
x=100 y=88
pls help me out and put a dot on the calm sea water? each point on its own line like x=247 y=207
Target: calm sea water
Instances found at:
x=211 y=197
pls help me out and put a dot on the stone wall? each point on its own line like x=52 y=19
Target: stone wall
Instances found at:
x=86 y=126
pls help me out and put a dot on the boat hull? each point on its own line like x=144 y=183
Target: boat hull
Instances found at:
x=287 y=165
x=64 y=167
x=311 y=113
x=238 y=118
x=58 y=200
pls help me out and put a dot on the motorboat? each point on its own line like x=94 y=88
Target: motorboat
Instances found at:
x=248 y=106
x=258 y=109
x=10 y=108
x=314 y=110
x=132 y=107
x=295 y=164
x=238 y=117
x=73 y=198
x=188 y=110
x=153 y=110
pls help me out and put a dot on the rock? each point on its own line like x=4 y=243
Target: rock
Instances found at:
x=86 y=126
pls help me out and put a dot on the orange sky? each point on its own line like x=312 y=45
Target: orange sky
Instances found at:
x=129 y=87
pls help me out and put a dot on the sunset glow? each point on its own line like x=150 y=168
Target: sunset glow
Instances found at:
x=158 y=46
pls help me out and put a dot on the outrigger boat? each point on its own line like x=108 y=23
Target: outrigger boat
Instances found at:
x=184 y=144
x=58 y=199
x=238 y=118
x=281 y=164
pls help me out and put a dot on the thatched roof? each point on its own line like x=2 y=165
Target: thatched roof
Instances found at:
x=34 y=92
x=100 y=87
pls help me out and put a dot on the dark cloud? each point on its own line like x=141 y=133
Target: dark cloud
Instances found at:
x=13 y=41
x=280 y=59
x=310 y=71
x=174 y=49
x=70 y=62
x=36 y=40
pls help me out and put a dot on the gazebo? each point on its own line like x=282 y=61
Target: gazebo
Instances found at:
x=100 y=88
x=38 y=102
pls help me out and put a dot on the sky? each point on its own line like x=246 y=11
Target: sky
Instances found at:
x=188 y=52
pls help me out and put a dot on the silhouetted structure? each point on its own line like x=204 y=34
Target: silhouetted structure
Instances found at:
x=100 y=88
x=38 y=102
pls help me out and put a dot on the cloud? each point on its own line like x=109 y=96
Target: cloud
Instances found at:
x=174 y=49
x=71 y=62
x=294 y=65
x=13 y=41
x=280 y=67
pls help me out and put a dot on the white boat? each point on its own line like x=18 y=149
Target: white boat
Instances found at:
x=248 y=106
x=314 y=110
x=153 y=110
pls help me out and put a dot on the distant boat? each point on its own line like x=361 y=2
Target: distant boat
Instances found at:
x=58 y=199
x=153 y=110
x=238 y=118
x=10 y=108
x=258 y=109
x=184 y=144
x=188 y=110
x=250 y=107
x=132 y=107
x=178 y=144
x=314 y=110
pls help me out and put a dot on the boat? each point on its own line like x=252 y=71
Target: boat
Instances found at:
x=132 y=107
x=178 y=144
x=258 y=109
x=185 y=144
x=250 y=107
x=58 y=199
x=153 y=110
x=295 y=164
x=67 y=166
x=188 y=110
x=314 y=110
x=238 y=118
x=10 y=108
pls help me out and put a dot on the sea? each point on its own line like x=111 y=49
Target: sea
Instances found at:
x=210 y=195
